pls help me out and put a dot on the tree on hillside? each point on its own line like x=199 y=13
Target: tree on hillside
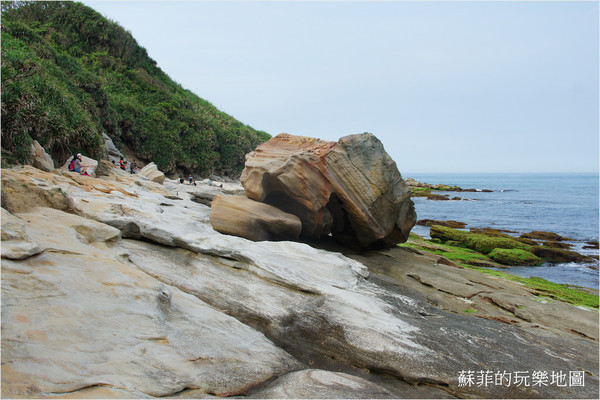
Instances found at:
x=69 y=74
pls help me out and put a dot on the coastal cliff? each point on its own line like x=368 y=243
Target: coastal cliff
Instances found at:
x=118 y=286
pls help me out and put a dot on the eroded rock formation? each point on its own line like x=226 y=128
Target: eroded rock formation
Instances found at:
x=350 y=188
x=41 y=159
x=151 y=301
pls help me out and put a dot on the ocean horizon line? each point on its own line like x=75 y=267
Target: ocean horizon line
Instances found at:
x=499 y=173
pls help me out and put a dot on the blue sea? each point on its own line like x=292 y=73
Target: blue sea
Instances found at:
x=566 y=204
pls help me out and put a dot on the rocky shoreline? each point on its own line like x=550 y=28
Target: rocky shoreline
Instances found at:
x=130 y=277
x=421 y=189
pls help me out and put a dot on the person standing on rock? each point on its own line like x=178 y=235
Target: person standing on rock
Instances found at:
x=122 y=164
x=133 y=167
x=191 y=179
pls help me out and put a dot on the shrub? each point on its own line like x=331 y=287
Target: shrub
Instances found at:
x=69 y=74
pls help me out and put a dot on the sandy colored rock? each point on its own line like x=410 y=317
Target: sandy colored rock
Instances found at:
x=124 y=329
x=152 y=172
x=350 y=188
x=313 y=383
x=240 y=216
x=41 y=159
x=24 y=188
x=151 y=301
x=16 y=244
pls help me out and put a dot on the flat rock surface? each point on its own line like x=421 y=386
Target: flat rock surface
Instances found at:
x=150 y=301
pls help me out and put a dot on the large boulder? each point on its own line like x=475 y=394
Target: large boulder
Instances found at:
x=350 y=188
x=41 y=159
x=240 y=216
x=111 y=150
x=152 y=172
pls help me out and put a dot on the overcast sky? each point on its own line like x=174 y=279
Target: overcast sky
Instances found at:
x=468 y=86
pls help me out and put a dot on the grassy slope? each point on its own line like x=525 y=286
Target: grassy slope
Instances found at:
x=69 y=74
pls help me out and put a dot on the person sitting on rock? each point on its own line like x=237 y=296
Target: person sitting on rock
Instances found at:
x=72 y=163
x=180 y=179
x=77 y=163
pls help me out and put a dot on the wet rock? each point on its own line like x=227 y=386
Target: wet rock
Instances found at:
x=433 y=196
x=555 y=255
x=449 y=223
x=491 y=231
x=541 y=235
x=558 y=245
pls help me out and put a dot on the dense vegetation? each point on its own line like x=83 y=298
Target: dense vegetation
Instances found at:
x=69 y=74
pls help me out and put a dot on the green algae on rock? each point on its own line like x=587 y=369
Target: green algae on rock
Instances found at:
x=515 y=257
x=470 y=259
x=479 y=242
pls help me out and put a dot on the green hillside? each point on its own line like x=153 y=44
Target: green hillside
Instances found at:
x=69 y=74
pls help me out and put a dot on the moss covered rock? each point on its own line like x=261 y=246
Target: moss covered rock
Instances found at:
x=449 y=223
x=479 y=242
x=514 y=257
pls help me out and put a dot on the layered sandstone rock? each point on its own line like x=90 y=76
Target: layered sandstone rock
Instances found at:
x=240 y=216
x=16 y=244
x=152 y=172
x=350 y=188
x=134 y=295
x=41 y=159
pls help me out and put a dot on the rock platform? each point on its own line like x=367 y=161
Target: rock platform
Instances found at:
x=124 y=290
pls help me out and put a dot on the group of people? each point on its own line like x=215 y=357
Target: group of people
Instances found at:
x=75 y=164
x=132 y=165
x=190 y=179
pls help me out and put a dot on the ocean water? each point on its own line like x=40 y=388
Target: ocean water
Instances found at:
x=566 y=204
